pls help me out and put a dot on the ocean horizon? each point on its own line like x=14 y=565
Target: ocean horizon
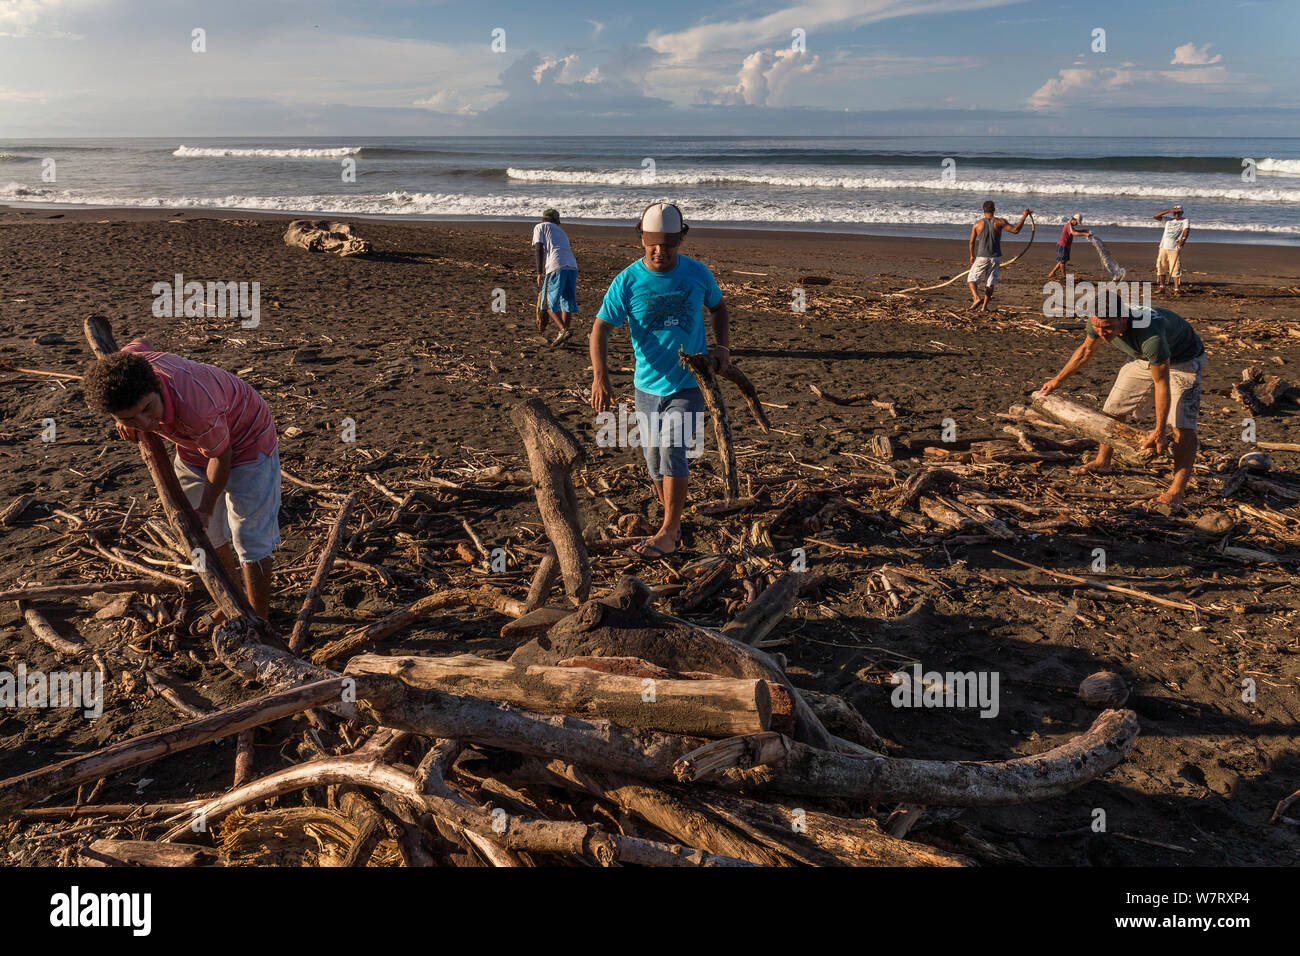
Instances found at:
x=1242 y=190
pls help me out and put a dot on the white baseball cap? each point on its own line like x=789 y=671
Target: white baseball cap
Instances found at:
x=1077 y=217
x=660 y=221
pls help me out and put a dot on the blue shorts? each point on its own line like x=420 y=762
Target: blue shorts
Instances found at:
x=671 y=431
x=562 y=291
x=248 y=512
x=1062 y=253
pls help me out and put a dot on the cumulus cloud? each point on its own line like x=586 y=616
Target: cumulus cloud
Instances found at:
x=764 y=79
x=1126 y=85
x=1191 y=55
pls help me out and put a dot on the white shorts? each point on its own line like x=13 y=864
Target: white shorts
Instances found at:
x=986 y=268
x=1135 y=391
x=248 y=512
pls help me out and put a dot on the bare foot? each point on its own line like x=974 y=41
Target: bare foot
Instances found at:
x=1173 y=499
x=1091 y=468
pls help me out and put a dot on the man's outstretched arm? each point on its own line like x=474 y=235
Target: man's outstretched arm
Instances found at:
x=1081 y=357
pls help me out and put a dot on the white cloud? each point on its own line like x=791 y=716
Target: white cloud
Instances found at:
x=447 y=101
x=809 y=15
x=597 y=28
x=1192 y=55
x=1127 y=85
x=764 y=79
x=566 y=70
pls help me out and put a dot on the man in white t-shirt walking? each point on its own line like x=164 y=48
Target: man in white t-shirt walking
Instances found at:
x=557 y=273
x=1169 y=258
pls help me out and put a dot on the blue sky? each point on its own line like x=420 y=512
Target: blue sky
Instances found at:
x=290 y=67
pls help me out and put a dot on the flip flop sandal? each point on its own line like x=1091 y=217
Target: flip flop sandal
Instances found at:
x=647 y=552
x=203 y=625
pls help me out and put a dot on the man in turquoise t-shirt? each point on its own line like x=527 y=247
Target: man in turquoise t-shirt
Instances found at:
x=661 y=298
x=1166 y=359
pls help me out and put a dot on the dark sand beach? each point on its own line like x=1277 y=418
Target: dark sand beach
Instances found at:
x=409 y=349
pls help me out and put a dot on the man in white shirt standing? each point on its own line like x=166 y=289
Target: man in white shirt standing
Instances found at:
x=557 y=273
x=1168 y=259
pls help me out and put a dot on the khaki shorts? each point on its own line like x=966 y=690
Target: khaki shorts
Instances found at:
x=1135 y=392
x=1169 y=262
x=248 y=512
x=986 y=268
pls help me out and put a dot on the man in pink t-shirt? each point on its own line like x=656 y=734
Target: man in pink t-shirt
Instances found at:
x=227 y=459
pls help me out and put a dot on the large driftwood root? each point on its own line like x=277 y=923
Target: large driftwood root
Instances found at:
x=324 y=235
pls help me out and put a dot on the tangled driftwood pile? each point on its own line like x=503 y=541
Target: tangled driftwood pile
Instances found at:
x=616 y=731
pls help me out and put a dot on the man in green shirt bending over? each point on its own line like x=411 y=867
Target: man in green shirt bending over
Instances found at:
x=1166 y=359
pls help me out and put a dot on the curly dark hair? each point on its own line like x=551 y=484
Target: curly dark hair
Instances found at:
x=118 y=382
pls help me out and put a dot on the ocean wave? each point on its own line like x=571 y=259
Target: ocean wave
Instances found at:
x=1281 y=167
x=635 y=177
x=577 y=207
x=210 y=152
x=27 y=193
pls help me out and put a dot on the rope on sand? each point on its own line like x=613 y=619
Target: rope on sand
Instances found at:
x=1032 y=229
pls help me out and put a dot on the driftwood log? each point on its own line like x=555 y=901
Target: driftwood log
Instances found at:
x=749 y=393
x=701 y=366
x=705 y=708
x=21 y=791
x=552 y=455
x=1125 y=439
x=313 y=601
x=324 y=235
x=787 y=766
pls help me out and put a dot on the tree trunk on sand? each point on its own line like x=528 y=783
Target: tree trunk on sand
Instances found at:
x=704 y=708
